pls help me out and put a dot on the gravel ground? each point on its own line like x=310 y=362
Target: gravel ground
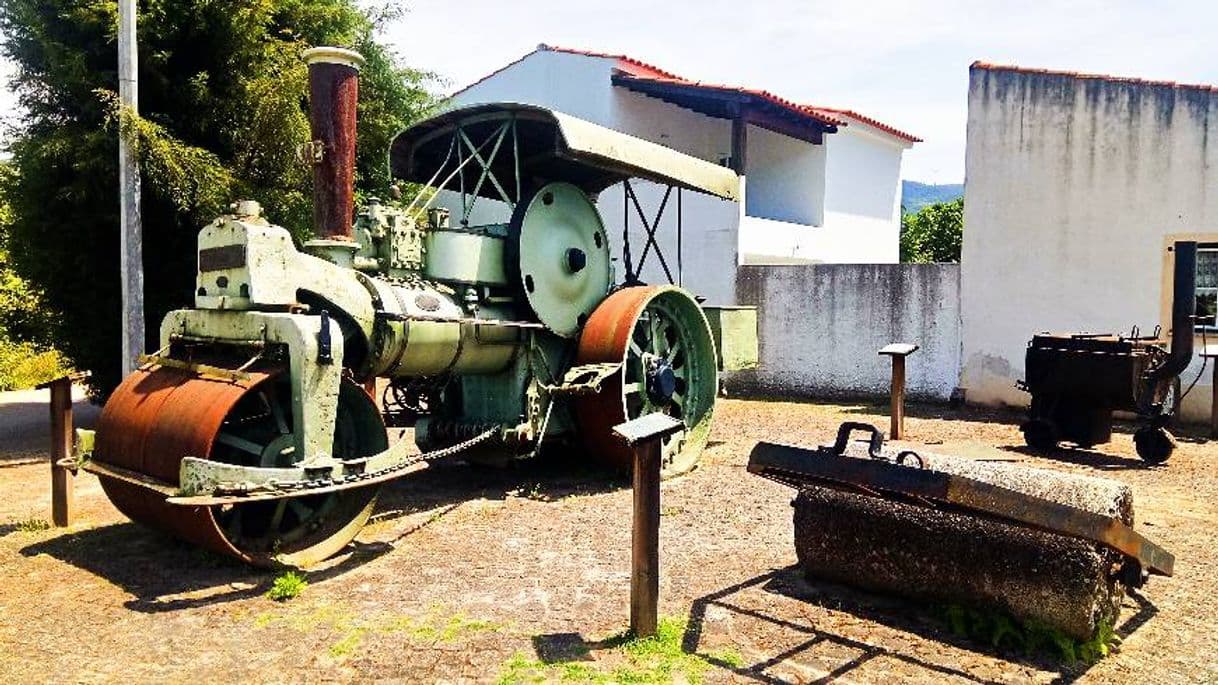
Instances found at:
x=467 y=571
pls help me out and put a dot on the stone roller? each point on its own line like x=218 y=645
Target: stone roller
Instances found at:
x=1046 y=547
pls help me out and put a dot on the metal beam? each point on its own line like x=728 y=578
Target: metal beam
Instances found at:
x=740 y=137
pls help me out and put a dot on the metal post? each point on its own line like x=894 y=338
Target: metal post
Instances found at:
x=645 y=540
x=131 y=250
x=61 y=445
x=898 y=352
x=645 y=436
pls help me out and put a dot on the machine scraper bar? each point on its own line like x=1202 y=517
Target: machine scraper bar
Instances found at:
x=793 y=466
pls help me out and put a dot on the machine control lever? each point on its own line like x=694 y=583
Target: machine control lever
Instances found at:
x=324 y=352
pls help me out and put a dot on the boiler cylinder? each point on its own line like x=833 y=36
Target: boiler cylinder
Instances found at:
x=433 y=335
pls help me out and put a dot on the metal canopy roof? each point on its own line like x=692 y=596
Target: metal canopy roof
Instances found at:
x=550 y=146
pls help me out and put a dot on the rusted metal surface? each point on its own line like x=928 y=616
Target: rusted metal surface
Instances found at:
x=1078 y=380
x=924 y=487
x=157 y=416
x=333 y=95
x=604 y=340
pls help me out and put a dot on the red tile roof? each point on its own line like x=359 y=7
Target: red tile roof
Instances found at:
x=851 y=114
x=1098 y=77
x=827 y=115
x=643 y=70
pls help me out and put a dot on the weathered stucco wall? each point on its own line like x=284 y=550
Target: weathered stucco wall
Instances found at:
x=1072 y=184
x=822 y=325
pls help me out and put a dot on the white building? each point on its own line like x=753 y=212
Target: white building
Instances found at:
x=1074 y=186
x=823 y=185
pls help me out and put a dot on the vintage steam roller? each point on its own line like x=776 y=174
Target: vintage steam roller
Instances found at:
x=498 y=325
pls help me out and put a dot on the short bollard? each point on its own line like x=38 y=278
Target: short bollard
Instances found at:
x=61 y=447
x=898 y=352
x=644 y=436
x=1210 y=352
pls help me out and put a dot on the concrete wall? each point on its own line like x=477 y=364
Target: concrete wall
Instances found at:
x=821 y=327
x=1072 y=187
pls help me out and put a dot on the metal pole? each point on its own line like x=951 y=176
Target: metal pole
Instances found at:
x=61 y=445
x=645 y=542
x=131 y=249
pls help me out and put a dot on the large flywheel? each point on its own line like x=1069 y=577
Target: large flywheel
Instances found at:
x=663 y=341
x=159 y=416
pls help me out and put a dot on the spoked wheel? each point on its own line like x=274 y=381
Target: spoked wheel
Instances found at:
x=157 y=417
x=661 y=336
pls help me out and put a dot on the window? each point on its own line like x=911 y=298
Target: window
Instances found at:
x=1207 y=286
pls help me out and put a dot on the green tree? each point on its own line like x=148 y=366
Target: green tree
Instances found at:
x=222 y=110
x=934 y=233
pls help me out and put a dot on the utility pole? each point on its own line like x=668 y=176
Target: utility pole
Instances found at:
x=131 y=246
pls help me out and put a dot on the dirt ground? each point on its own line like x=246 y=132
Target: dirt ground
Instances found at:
x=473 y=574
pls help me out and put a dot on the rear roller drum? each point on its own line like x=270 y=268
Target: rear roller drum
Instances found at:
x=664 y=343
x=155 y=418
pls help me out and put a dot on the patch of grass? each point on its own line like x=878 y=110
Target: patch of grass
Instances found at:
x=1000 y=629
x=625 y=659
x=287 y=586
x=347 y=644
x=33 y=525
x=671 y=511
x=434 y=627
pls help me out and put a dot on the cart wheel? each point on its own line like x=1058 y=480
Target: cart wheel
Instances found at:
x=1039 y=434
x=1154 y=445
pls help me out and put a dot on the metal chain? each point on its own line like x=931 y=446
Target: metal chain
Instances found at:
x=304 y=485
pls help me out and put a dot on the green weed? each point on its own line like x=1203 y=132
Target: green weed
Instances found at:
x=625 y=659
x=1001 y=629
x=33 y=525
x=287 y=586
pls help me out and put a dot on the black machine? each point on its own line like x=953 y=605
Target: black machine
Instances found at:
x=1078 y=380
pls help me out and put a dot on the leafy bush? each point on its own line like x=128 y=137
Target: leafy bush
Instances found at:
x=934 y=233
x=24 y=365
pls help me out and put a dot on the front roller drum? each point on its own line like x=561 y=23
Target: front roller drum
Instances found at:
x=160 y=415
x=663 y=342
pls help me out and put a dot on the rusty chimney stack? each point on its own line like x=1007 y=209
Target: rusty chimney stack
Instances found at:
x=333 y=96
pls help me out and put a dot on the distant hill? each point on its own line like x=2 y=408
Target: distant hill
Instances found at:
x=915 y=196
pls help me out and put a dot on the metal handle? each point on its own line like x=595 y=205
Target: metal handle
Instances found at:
x=874 y=445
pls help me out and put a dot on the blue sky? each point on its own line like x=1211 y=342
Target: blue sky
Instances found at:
x=904 y=63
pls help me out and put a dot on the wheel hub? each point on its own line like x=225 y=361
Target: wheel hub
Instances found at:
x=661 y=379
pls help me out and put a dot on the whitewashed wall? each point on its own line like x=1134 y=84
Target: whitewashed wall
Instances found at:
x=822 y=326
x=857 y=189
x=1072 y=185
x=851 y=218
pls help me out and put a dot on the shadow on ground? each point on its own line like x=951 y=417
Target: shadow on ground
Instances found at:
x=166 y=574
x=892 y=612
x=789 y=582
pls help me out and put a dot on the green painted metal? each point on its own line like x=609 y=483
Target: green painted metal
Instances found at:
x=735 y=333
x=563 y=255
x=672 y=327
x=471 y=256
